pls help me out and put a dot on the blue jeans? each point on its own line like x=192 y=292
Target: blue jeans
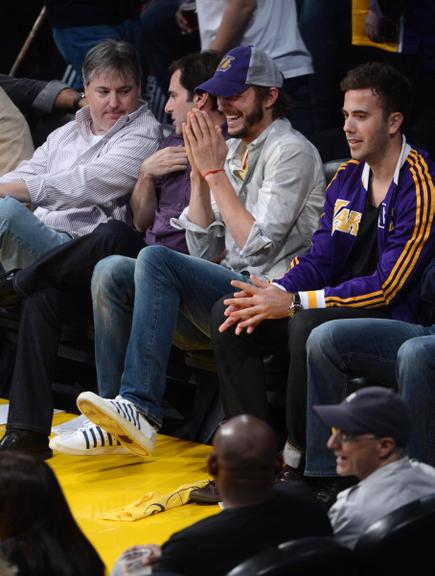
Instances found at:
x=386 y=352
x=75 y=42
x=23 y=237
x=139 y=308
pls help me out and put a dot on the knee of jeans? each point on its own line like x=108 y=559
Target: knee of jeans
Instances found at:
x=317 y=339
x=412 y=353
x=109 y=272
x=157 y=256
x=10 y=211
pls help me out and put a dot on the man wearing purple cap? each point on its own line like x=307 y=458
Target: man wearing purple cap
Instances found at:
x=254 y=203
x=370 y=430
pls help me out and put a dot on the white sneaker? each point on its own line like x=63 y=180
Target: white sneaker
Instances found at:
x=88 y=440
x=120 y=418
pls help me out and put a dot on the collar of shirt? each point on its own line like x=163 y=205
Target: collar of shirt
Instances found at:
x=238 y=151
x=404 y=153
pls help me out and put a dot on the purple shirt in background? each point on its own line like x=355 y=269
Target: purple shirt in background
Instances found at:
x=173 y=195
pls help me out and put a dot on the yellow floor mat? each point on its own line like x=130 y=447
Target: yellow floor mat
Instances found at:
x=93 y=485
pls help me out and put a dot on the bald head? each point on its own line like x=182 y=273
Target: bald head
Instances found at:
x=245 y=457
x=246 y=439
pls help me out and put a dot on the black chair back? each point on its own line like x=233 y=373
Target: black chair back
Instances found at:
x=401 y=542
x=299 y=557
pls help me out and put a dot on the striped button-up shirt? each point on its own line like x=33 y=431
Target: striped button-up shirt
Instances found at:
x=77 y=181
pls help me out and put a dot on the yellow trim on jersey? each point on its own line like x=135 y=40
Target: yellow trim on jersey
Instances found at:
x=340 y=168
x=423 y=224
x=312 y=299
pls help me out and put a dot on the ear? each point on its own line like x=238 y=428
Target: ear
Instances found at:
x=200 y=100
x=271 y=98
x=212 y=465
x=396 y=121
x=386 y=447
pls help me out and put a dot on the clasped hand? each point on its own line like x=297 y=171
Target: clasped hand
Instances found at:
x=254 y=303
x=205 y=144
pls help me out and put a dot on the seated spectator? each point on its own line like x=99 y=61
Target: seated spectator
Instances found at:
x=15 y=139
x=79 y=26
x=85 y=171
x=29 y=94
x=38 y=533
x=371 y=430
x=254 y=203
x=366 y=260
x=271 y=27
x=58 y=284
x=244 y=462
x=45 y=105
x=164 y=20
x=385 y=352
x=7 y=569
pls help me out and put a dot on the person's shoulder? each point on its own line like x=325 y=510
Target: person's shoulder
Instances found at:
x=347 y=174
x=200 y=527
x=421 y=467
x=143 y=118
x=350 y=168
x=282 y=139
x=418 y=161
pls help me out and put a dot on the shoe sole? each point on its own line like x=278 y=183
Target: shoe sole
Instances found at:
x=100 y=451
x=101 y=413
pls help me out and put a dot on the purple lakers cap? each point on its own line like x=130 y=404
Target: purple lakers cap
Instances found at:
x=240 y=68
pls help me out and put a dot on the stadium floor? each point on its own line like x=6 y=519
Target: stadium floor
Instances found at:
x=95 y=485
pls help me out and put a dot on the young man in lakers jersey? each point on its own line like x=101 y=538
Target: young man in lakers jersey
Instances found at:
x=366 y=260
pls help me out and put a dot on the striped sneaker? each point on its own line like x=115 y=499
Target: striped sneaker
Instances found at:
x=120 y=418
x=88 y=440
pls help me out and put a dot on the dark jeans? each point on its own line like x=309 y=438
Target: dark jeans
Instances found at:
x=58 y=288
x=70 y=266
x=239 y=361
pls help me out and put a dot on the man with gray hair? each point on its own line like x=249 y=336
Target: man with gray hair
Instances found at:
x=83 y=174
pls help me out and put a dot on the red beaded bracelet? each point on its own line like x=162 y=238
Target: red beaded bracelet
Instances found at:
x=208 y=172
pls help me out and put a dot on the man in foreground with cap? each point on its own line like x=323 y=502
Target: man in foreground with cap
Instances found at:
x=256 y=515
x=254 y=203
x=370 y=431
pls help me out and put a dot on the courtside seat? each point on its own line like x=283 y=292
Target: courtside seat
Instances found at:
x=301 y=557
x=401 y=542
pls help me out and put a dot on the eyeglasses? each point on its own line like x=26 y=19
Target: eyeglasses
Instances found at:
x=349 y=437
